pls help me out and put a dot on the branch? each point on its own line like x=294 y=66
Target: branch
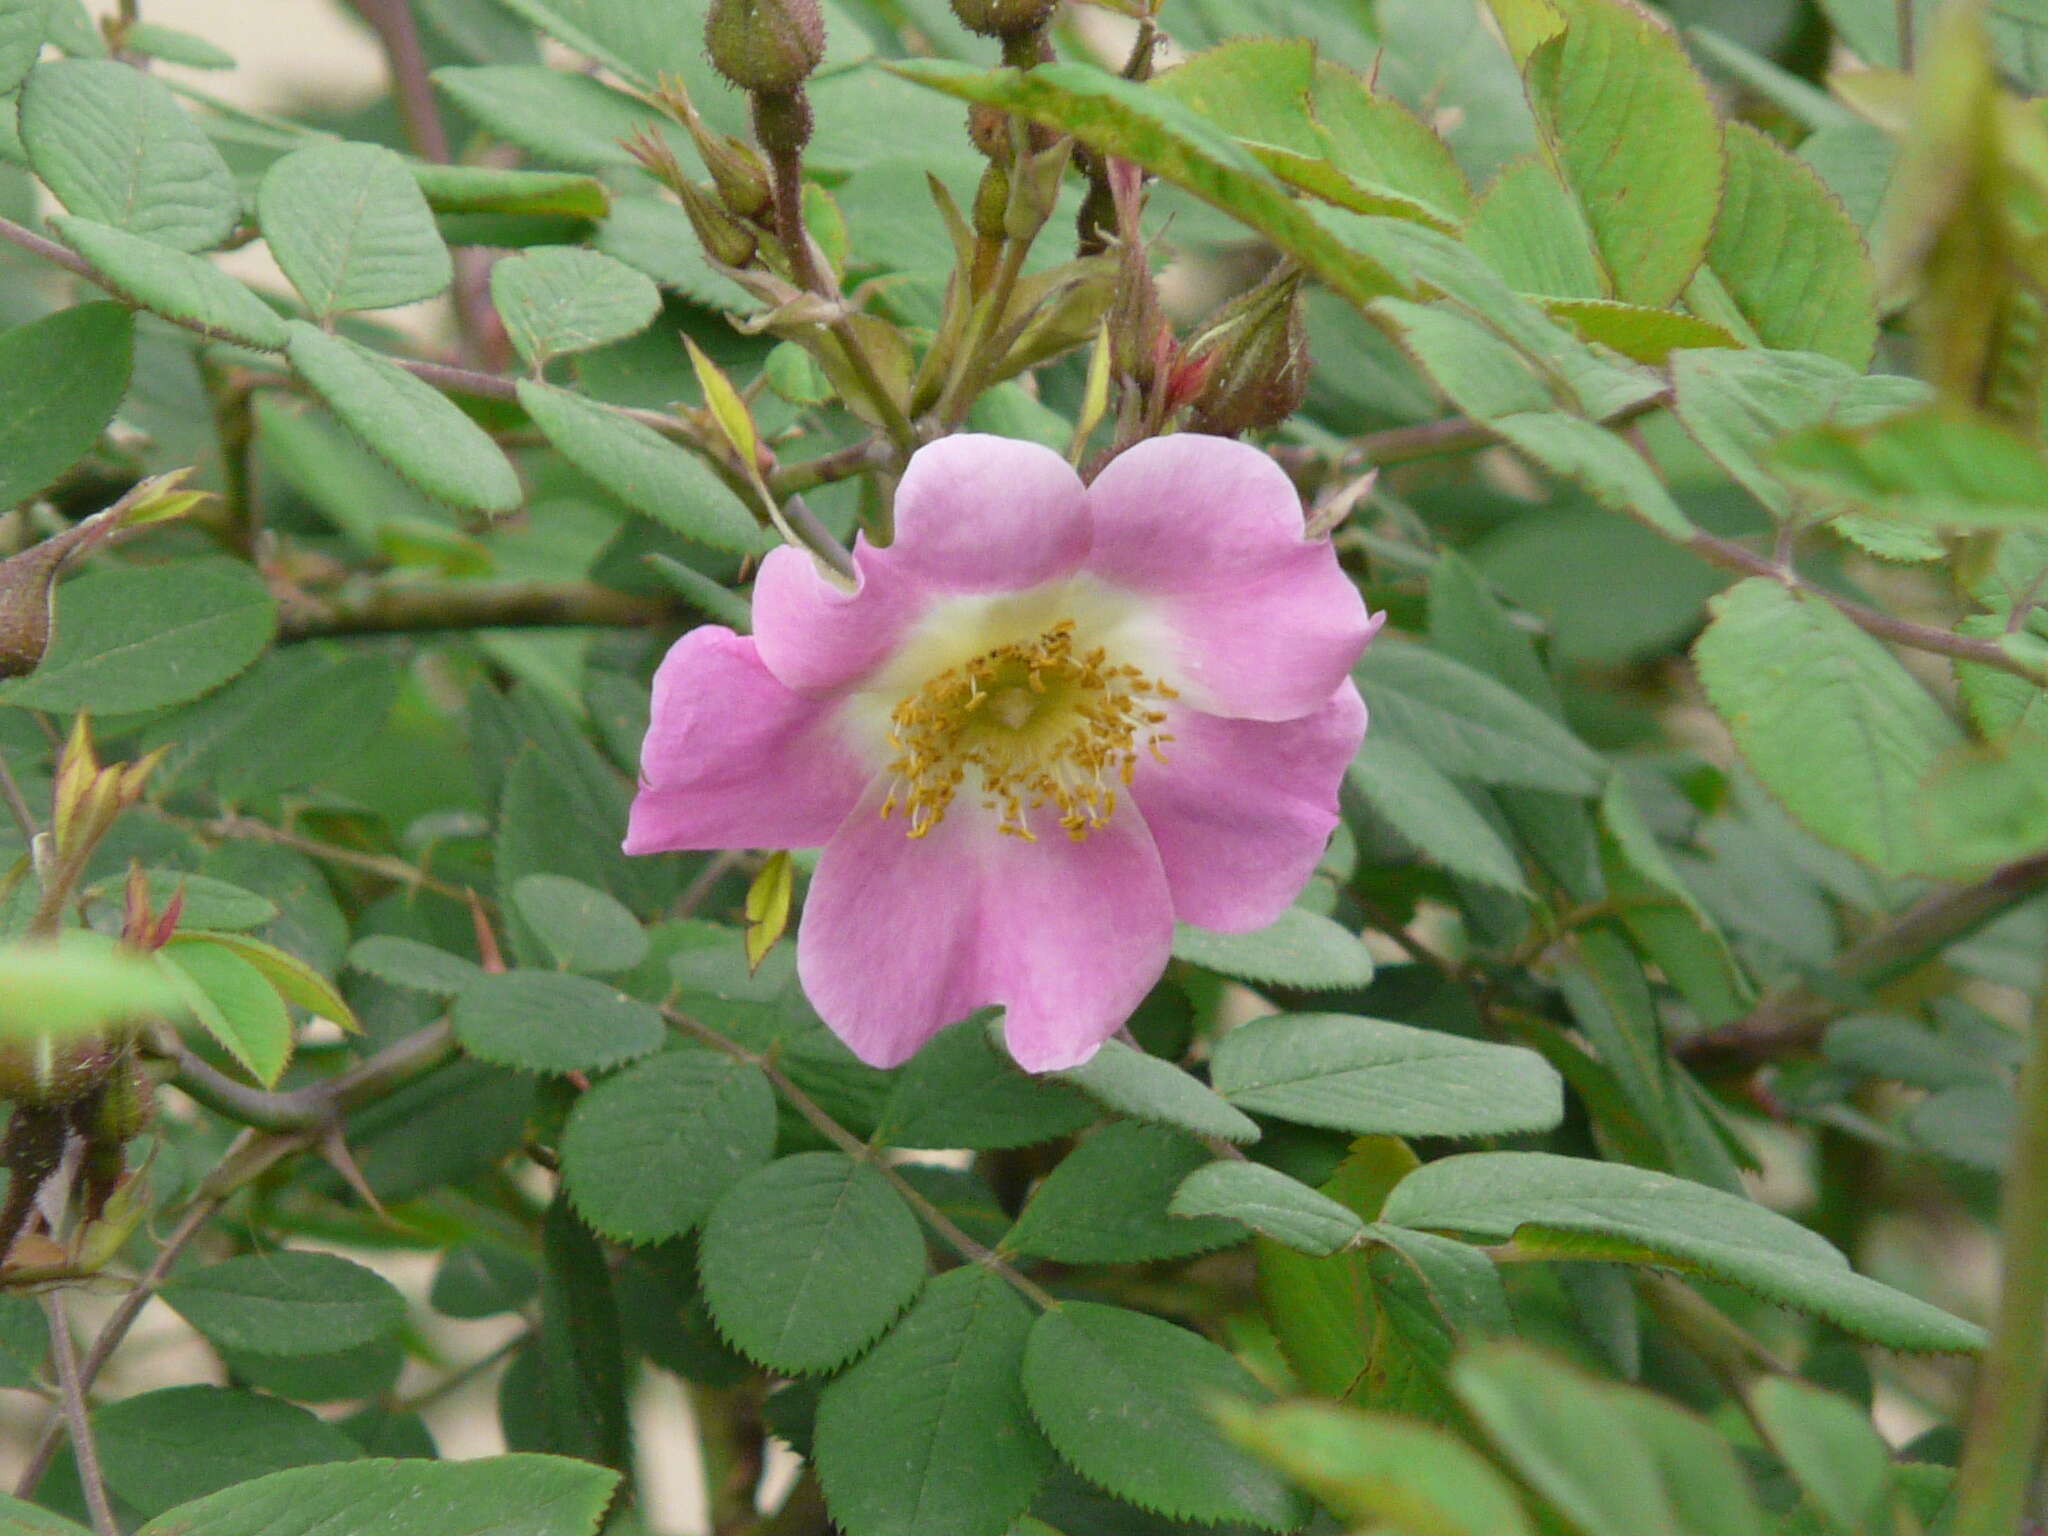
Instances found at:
x=416 y=607
x=17 y=804
x=399 y=34
x=1429 y=440
x=84 y=1450
x=1731 y=556
x=396 y=870
x=115 y=1329
x=293 y=1116
x=840 y=464
x=1792 y=1019
x=318 y=1105
x=1460 y=434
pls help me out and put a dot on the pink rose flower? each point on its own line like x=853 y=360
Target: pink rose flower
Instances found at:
x=1051 y=719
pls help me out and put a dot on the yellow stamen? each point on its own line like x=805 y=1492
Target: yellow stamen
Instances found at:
x=1040 y=725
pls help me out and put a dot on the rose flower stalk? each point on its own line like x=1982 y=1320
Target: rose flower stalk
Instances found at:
x=1050 y=720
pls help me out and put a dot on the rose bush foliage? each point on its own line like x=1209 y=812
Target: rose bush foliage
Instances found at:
x=697 y=691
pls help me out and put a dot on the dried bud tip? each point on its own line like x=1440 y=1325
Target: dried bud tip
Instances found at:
x=765 y=45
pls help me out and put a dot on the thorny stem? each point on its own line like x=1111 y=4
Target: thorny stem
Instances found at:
x=894 y=422
x=64 y=1352
x=455 y=1380
x=410 y=607
x=1737 y=1356
x=2001 y=1453
x=319 y=1105
x=18 y=1210
x=115 y=1329
x=1428 y=440
x=968 y=1249
x=1385 y=922
x=786 y=172
x=716 y=868
x=288 y=1118
x=829 y=468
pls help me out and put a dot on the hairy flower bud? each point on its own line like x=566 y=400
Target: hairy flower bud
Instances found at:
x=53 y=1072
x=765 y=45
x=1254 y=361
x=1004 y=18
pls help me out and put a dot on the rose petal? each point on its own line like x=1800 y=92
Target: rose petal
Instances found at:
x=977 y=513
x=974 y=514
x=1188 y=513
x=817 y=637
x=1265 y=625
x=733 y=759
x=1271 y=650
x=902 y=936
x=1241 y=810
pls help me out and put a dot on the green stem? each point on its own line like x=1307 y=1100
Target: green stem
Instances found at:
x=234 y=421
x=976 y=365
x=827 y=469
x=786 y=171
x=398 y=33
x=2001 y=1453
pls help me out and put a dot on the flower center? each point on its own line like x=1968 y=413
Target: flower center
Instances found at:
x=1038 y=723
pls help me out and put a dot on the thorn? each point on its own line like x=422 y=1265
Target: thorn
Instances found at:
x=167 y=924
x=334 y=1148
x=491 y=957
